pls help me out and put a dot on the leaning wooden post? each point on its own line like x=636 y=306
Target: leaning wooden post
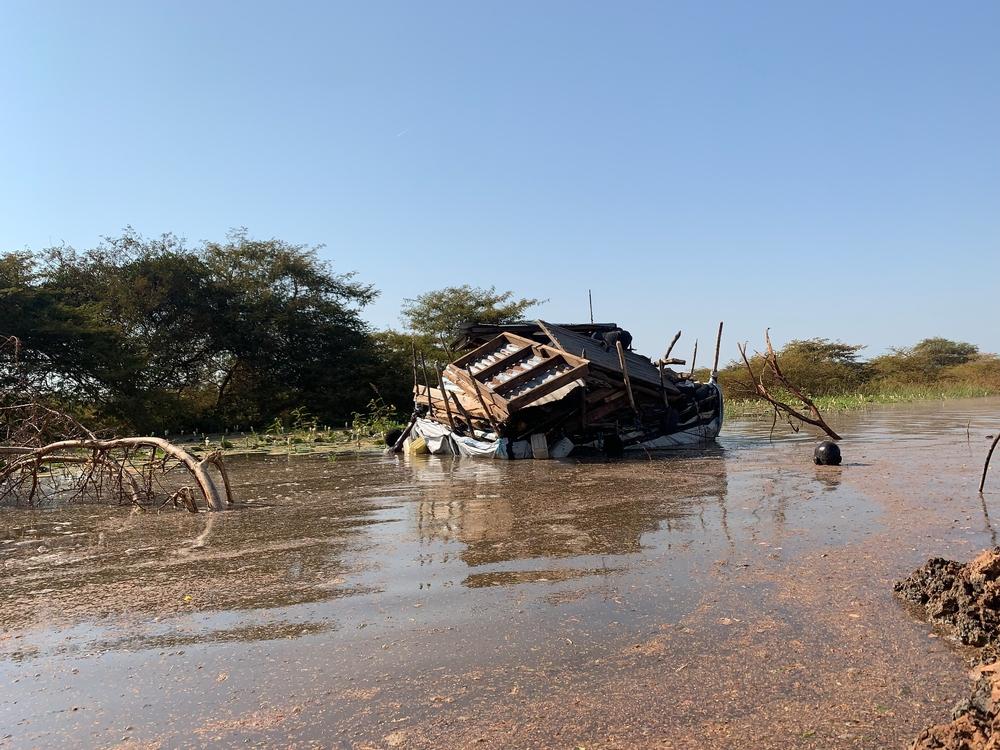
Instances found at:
x=444 y=394
x=413 y=351
x=671 y=347
x=461 y=409
x=986 y=466
x=398 y=446
x=694 y=356
x=482 y=401
x=718 y=345
x=628 y=382
x=427 y=383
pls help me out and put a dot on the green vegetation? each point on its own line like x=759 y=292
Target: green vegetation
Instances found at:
x=232 y=338
x=225 y=338
x=835 y=377
x=152 y=335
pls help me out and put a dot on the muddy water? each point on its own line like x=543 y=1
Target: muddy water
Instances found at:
x=733 y=597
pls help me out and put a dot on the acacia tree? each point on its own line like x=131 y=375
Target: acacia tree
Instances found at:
x=434 y=318
x=289 y=331
x=152 y=334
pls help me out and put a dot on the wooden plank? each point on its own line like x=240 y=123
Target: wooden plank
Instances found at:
x=490 y=347
x=447 y=406
x=493 y=422
x=547 y=387
x=487 y=373
x=529 y=374
x=628 y=383
x=470 y=384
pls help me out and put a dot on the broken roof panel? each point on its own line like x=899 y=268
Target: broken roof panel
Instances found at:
x=640 y=369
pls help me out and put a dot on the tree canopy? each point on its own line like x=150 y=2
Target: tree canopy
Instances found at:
x=435 y=317
x=157 y=335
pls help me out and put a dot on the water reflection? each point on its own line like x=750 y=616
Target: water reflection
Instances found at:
x=520 y=511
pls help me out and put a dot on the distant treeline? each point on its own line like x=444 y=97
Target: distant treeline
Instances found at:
x=824 y=368
x=153 y=335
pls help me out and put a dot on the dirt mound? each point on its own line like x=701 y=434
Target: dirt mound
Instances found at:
x=976 y=723
x=964 y=598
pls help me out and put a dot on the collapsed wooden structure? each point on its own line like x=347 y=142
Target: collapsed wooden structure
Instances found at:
x=540 y=389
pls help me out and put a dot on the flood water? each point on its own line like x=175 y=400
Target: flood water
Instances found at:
x=733 y=597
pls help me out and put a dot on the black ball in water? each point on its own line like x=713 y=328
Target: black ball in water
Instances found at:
x=827 y=453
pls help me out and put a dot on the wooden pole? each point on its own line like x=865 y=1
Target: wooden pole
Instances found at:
x=628 y=382
x=461 y=409
x=427 y=382
x=671 y=347
x=590 y=299
x=694 y=357
x=482 y=401
x=406 y=433
x=447 y=406
x=718 y=345
x=413 y=351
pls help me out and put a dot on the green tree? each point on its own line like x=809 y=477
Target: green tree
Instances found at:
x=153 y=334
x=925 y=361
x=434 y=318
x=289 y=332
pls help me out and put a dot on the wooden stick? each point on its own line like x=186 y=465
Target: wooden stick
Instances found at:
x=718 y=344
x=694 y=357
x=663 y=385
x=771 y=361
x=628 y=382
x=447 y=406
x=427 y=382
x=671 y=347
x=413 y=351
x=986 y=466
x=482 y=401
x=398 y=446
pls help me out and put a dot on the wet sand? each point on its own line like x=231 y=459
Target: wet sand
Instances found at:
x=729 y=598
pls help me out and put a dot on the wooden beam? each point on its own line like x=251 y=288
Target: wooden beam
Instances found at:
x=545 y=388
x=718 y=345
x=476 y=384
x=628 y=382
x=487 y=373
x=447 y=406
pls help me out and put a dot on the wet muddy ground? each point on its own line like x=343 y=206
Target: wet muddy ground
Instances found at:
x=730 y=598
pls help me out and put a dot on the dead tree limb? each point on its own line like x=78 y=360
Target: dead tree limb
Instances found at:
x=771 y=364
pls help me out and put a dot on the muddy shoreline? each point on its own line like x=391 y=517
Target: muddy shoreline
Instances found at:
x=728 y=598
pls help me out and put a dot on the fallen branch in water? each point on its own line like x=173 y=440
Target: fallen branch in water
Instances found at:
x=47 y=455
x=771 y=364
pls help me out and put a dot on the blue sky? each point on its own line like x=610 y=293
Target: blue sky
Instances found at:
x=826 y=169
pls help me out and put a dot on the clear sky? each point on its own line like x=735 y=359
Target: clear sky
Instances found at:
x=826 y=169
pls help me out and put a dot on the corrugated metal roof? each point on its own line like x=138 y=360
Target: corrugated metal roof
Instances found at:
x=640 y=369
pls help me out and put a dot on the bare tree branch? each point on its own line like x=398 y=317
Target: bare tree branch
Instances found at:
x=771 y=363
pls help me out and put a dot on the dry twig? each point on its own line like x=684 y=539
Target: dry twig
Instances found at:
x=771 y=364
